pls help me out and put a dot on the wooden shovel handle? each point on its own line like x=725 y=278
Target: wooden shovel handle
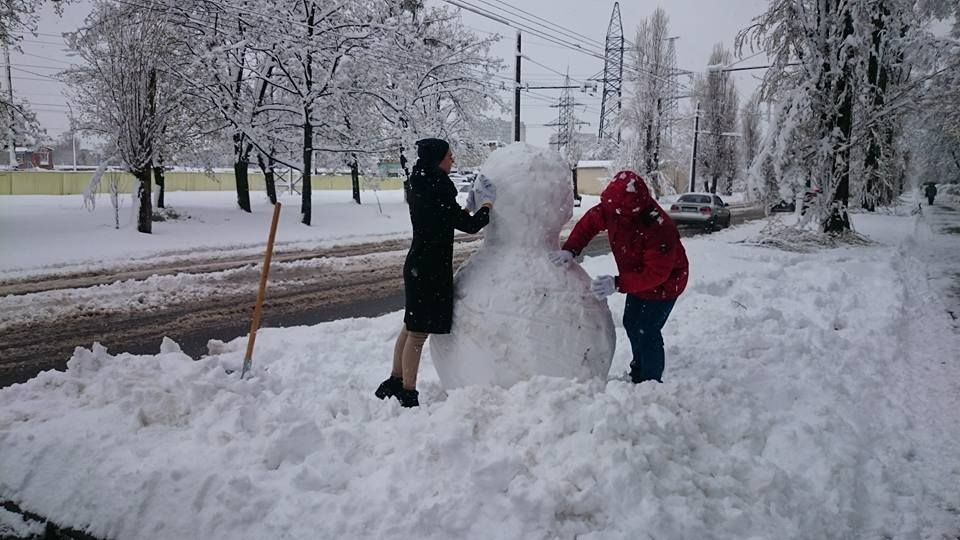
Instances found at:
x=261 y=292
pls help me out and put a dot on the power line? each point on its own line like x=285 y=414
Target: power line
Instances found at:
x=61 y=44
x=35 y=73
x=45 y=79
x=45 y=58
x=463 y=4
x=49 y=104
x=45 y=35
x=555 y=25
x=35 y=66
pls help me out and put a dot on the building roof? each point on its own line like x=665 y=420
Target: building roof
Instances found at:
x=594 y=164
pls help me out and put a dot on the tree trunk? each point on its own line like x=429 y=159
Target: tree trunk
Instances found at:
x=877 y=79
x=306 y=208
x=355 y=179
x=648 y=148
x=145 y=213
x=838 y=220
x=713 y=183
x=655 y=161
x=241 y=160
x=266 y=166
x=243 y=184
x=158 y=178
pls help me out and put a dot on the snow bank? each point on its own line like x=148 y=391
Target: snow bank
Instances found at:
x=807 y=395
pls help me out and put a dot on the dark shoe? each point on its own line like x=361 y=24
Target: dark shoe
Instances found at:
x=637 y=379
x=389 y=387
x=408 y=398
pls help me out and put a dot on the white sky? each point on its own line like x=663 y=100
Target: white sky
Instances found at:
x=698 y=24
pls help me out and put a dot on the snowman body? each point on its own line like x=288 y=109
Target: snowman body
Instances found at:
x=516 y=315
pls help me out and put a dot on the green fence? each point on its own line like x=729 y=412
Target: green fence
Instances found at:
x=73 y=183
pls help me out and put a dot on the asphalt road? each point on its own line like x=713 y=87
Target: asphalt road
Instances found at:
x=360 y=290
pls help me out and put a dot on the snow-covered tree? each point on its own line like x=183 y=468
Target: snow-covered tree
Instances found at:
x=125 y=92
x=22 y=16
x=845 y=73
x=719 y=106
x=645 y=119
x=815 y=120
x=228 y=70
x=934 y=125
x=27 y=130
x=432 y=77
x=750 y=130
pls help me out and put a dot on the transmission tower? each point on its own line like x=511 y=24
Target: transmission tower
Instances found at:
x=567 y=124
x=672 y=94
x=612 y=78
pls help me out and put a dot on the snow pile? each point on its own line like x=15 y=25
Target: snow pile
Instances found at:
x=516 y=315
x=13 y=525
x=806 y=396
x=788 y=235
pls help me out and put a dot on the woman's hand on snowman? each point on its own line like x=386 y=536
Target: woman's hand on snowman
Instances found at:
x=603 y=286
x=484 y=192
x=471 y=202
x=561 y=257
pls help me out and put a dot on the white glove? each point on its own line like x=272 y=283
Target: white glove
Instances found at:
x=485 y=193
x=603 y=286
x=561 y=257
x=471 y=202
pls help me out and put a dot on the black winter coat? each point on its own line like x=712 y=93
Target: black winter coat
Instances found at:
x=428 y=271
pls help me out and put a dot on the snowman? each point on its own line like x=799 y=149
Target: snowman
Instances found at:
x=516 y=314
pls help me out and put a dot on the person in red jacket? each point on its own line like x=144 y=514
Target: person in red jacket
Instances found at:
x=651 y=261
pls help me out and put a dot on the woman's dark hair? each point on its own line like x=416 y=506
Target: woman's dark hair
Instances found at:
x=430 y=152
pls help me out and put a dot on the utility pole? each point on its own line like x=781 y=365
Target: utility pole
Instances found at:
x=693 y=157
x=11 y=138
x=73 y=136
x=516 y=93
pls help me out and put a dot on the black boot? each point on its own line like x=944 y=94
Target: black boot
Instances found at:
x=389 y=387
x=408 y=398
x=636 y=377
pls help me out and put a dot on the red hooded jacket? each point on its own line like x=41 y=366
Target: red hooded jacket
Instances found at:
x=644 y=240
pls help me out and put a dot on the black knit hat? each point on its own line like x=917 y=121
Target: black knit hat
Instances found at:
x=431 y=151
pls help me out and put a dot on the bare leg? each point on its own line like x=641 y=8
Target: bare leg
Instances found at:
x=397 y=370
x=412 y=349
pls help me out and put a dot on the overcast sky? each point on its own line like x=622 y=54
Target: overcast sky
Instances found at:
x=698 y=24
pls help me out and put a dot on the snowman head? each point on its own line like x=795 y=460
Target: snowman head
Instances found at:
x=534 y=196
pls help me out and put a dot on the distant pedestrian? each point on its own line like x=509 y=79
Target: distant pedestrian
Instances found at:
x=428 y=271
x=930 y=192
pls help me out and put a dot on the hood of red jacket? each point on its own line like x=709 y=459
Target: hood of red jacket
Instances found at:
x=626 y=195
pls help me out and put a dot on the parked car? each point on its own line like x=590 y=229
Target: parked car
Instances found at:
x=701 y=210
x=458 y=179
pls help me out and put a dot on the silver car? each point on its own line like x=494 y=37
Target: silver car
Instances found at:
x=700 y=209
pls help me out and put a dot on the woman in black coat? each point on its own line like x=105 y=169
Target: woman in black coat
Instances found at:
x=428 y=270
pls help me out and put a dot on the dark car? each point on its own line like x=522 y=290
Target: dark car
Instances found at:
x=700 y=209
x=784 y=206
x=809 y=197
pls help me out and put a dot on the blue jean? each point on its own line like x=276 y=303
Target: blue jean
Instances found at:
x=643 y=321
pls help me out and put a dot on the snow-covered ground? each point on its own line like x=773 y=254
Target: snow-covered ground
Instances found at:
x=807 y=395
